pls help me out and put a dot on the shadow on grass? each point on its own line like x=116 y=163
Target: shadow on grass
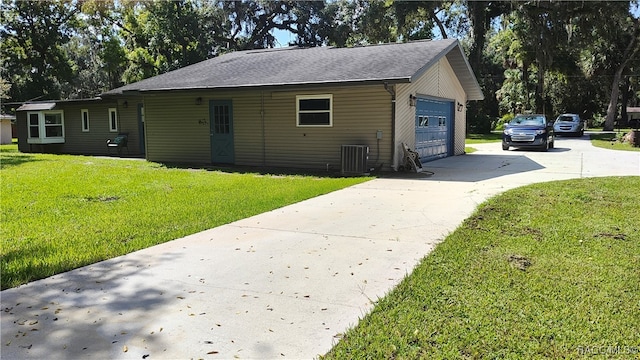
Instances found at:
x=610 y=136
x=262 y=170
x=14 y=159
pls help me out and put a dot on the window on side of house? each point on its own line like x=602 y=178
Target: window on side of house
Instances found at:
x=314 y=110
x=45 y=127
x=113 y=120
x=84 y=115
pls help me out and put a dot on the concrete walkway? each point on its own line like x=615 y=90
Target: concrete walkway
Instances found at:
x=284 y=284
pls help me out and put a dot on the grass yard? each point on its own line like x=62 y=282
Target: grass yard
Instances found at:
x=608 y=141
x=60 y=212
x=544 y=271
x=483 y=138
x=480 y=139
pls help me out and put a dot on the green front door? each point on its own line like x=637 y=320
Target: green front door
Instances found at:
x=221 y=120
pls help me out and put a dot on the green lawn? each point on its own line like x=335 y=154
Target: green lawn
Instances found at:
x=60 y=212
x=609 y=141
x=483 y=138
x=544 y=271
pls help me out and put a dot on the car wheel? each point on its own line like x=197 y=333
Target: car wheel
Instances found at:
x=544 y=147
x=505 y=147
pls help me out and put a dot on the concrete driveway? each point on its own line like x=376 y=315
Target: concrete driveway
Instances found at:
x=283 y=284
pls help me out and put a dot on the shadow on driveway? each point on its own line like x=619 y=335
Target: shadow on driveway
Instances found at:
x=92 y=311
x=473 y=167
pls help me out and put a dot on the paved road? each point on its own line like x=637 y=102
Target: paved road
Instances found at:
x=283 y=284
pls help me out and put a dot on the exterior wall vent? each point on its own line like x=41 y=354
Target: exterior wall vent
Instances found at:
x=354 y=159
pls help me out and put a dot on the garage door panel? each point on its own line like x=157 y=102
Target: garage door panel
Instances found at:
x=433 y=129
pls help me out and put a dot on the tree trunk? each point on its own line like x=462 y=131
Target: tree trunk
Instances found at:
x=629 y=52
x=626 y=92
x=613 y=101
x=525 y=82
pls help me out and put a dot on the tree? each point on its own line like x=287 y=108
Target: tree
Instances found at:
x=632 y=48
x=32 y=39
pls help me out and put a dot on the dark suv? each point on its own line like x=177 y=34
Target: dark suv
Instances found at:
x=528 y=131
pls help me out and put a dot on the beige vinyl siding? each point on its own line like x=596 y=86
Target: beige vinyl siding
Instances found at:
x=358 y=113
x=177 y=129
x=265 y=128
x=452 y=89
x=439 y=81
x=247 y=127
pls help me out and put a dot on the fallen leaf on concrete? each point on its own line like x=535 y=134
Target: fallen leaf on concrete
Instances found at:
x=125 y=348
x=212 y=352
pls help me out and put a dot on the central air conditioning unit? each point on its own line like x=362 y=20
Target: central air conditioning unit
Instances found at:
x=354 y=159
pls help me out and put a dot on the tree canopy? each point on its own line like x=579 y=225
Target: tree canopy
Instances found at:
x=539 y=56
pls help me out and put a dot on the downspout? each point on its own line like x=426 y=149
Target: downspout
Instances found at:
x=391 y=90
x=264 y=140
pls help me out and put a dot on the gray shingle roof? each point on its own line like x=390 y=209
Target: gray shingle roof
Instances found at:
x=393 y=63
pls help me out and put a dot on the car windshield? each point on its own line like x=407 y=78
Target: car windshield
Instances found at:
x=566 y=118
x=527 y=120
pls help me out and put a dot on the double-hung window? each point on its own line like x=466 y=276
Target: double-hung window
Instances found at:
x=113 y=120
x=84 y=115
x=45 y=127
x=314 y=110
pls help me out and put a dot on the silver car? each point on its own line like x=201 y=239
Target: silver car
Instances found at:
x=569 y=124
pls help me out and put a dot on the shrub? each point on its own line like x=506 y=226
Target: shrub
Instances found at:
x=500 y=123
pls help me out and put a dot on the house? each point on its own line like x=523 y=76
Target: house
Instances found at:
x=6 y=134
x=288 y=107
x=633 y=115
x=78 y=126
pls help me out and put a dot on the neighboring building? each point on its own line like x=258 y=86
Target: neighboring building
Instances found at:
x=288 y=107
x=6 y=128
x=633 y=114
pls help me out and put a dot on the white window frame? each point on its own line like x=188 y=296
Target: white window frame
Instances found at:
x=311 y=97
x=84 y=113
x=113 y=127
x=42 y=128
